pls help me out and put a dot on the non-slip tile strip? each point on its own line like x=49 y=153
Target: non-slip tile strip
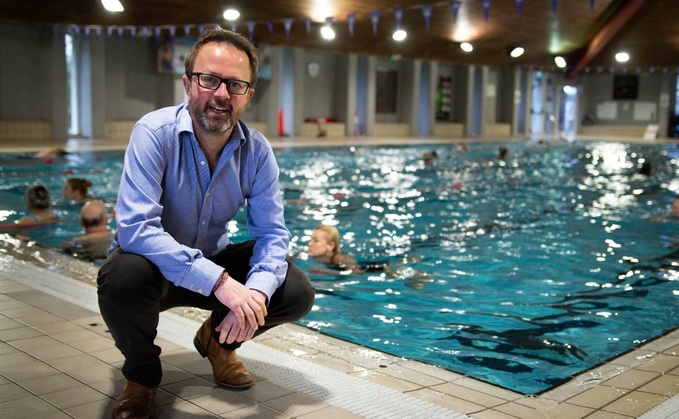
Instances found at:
x=667 y=409
x=350 y=393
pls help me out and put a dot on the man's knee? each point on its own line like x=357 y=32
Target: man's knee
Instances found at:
x=124 y=275
x=303 y=294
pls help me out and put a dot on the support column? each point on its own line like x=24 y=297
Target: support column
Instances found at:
x=370 y=95
x=349 y=108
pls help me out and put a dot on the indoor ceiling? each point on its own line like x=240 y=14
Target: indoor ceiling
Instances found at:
x=587 y=33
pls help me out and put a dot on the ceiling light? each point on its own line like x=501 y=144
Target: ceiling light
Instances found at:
x=399 y=35
x=466 y=47
x=231 y=14
x=516 y=52
x=560 y=61
x=113 y=5
x=622 y=57
x=327 y=32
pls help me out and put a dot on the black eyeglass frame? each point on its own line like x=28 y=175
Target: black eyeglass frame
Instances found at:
x=221 y=81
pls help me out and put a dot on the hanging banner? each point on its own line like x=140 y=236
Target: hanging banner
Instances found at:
x=351 y=20
x=307 y=21
x=287 y=24
x=555 y=3
x=486 y=9
x=251 y=29
x=591 y=5
x=269 y=24
x=426 y=12
x=455 y=8
x=375 y=18
x=519 y=7
x=398 y=14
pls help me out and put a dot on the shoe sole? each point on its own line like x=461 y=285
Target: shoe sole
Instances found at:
x=203 y=353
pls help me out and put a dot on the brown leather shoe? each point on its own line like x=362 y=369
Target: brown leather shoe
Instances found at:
x=227 y=369
x=135 y=402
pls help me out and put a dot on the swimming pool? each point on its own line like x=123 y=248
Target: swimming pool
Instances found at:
x=521 y=273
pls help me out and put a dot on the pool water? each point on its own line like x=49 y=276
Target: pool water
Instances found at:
x=522 y=272
x=18 y=171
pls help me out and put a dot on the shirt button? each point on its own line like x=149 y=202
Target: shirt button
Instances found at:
x=202 y=163
x=203 y=223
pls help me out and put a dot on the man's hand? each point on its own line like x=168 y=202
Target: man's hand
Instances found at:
x=247 y=311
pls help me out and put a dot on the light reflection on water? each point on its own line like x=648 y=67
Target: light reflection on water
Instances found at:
x=516 y=272
x=521 y=257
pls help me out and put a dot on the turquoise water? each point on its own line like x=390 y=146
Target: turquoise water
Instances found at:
x=521 y=273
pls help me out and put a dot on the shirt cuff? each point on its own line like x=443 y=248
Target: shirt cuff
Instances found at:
x=264 y=282
x=202 y=277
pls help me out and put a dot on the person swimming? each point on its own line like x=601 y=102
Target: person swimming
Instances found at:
x=38 y=202
x=324 y=248
x=76 y=190
x=97 y=237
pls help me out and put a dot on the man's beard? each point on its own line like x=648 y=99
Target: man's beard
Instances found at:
x=212 y=125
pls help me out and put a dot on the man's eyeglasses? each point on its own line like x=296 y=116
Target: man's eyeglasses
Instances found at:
x=212 y=82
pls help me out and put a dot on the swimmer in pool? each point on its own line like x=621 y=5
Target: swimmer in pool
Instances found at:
x=324 y=248
x=97 y=237
x=56 y=151
x=38 y=202
x=76 y=190
x=428 y=157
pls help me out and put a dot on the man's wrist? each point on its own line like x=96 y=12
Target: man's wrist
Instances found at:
x=220 y=281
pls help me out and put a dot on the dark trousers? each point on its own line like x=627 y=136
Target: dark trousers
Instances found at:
x=132 y=292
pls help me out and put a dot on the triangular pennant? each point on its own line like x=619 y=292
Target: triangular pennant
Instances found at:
x=455 y=9
x=426 y=12
x=287 y=24
x=486 y=9
x=351 y=20
x=251 y=29
x=375 y=18
x=398 y=15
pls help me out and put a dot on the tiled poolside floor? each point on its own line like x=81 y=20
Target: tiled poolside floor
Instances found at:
x=58 y=361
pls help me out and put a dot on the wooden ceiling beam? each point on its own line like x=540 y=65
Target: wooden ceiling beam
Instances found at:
x=606 y=34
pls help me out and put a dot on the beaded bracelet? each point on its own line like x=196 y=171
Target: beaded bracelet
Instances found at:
x=222 y=279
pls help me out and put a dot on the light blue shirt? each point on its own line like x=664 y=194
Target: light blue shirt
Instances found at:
x=175 y=213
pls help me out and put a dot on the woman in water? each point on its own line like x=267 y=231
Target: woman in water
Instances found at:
x=324 y=248
x=38 y=202
x=76 y=190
